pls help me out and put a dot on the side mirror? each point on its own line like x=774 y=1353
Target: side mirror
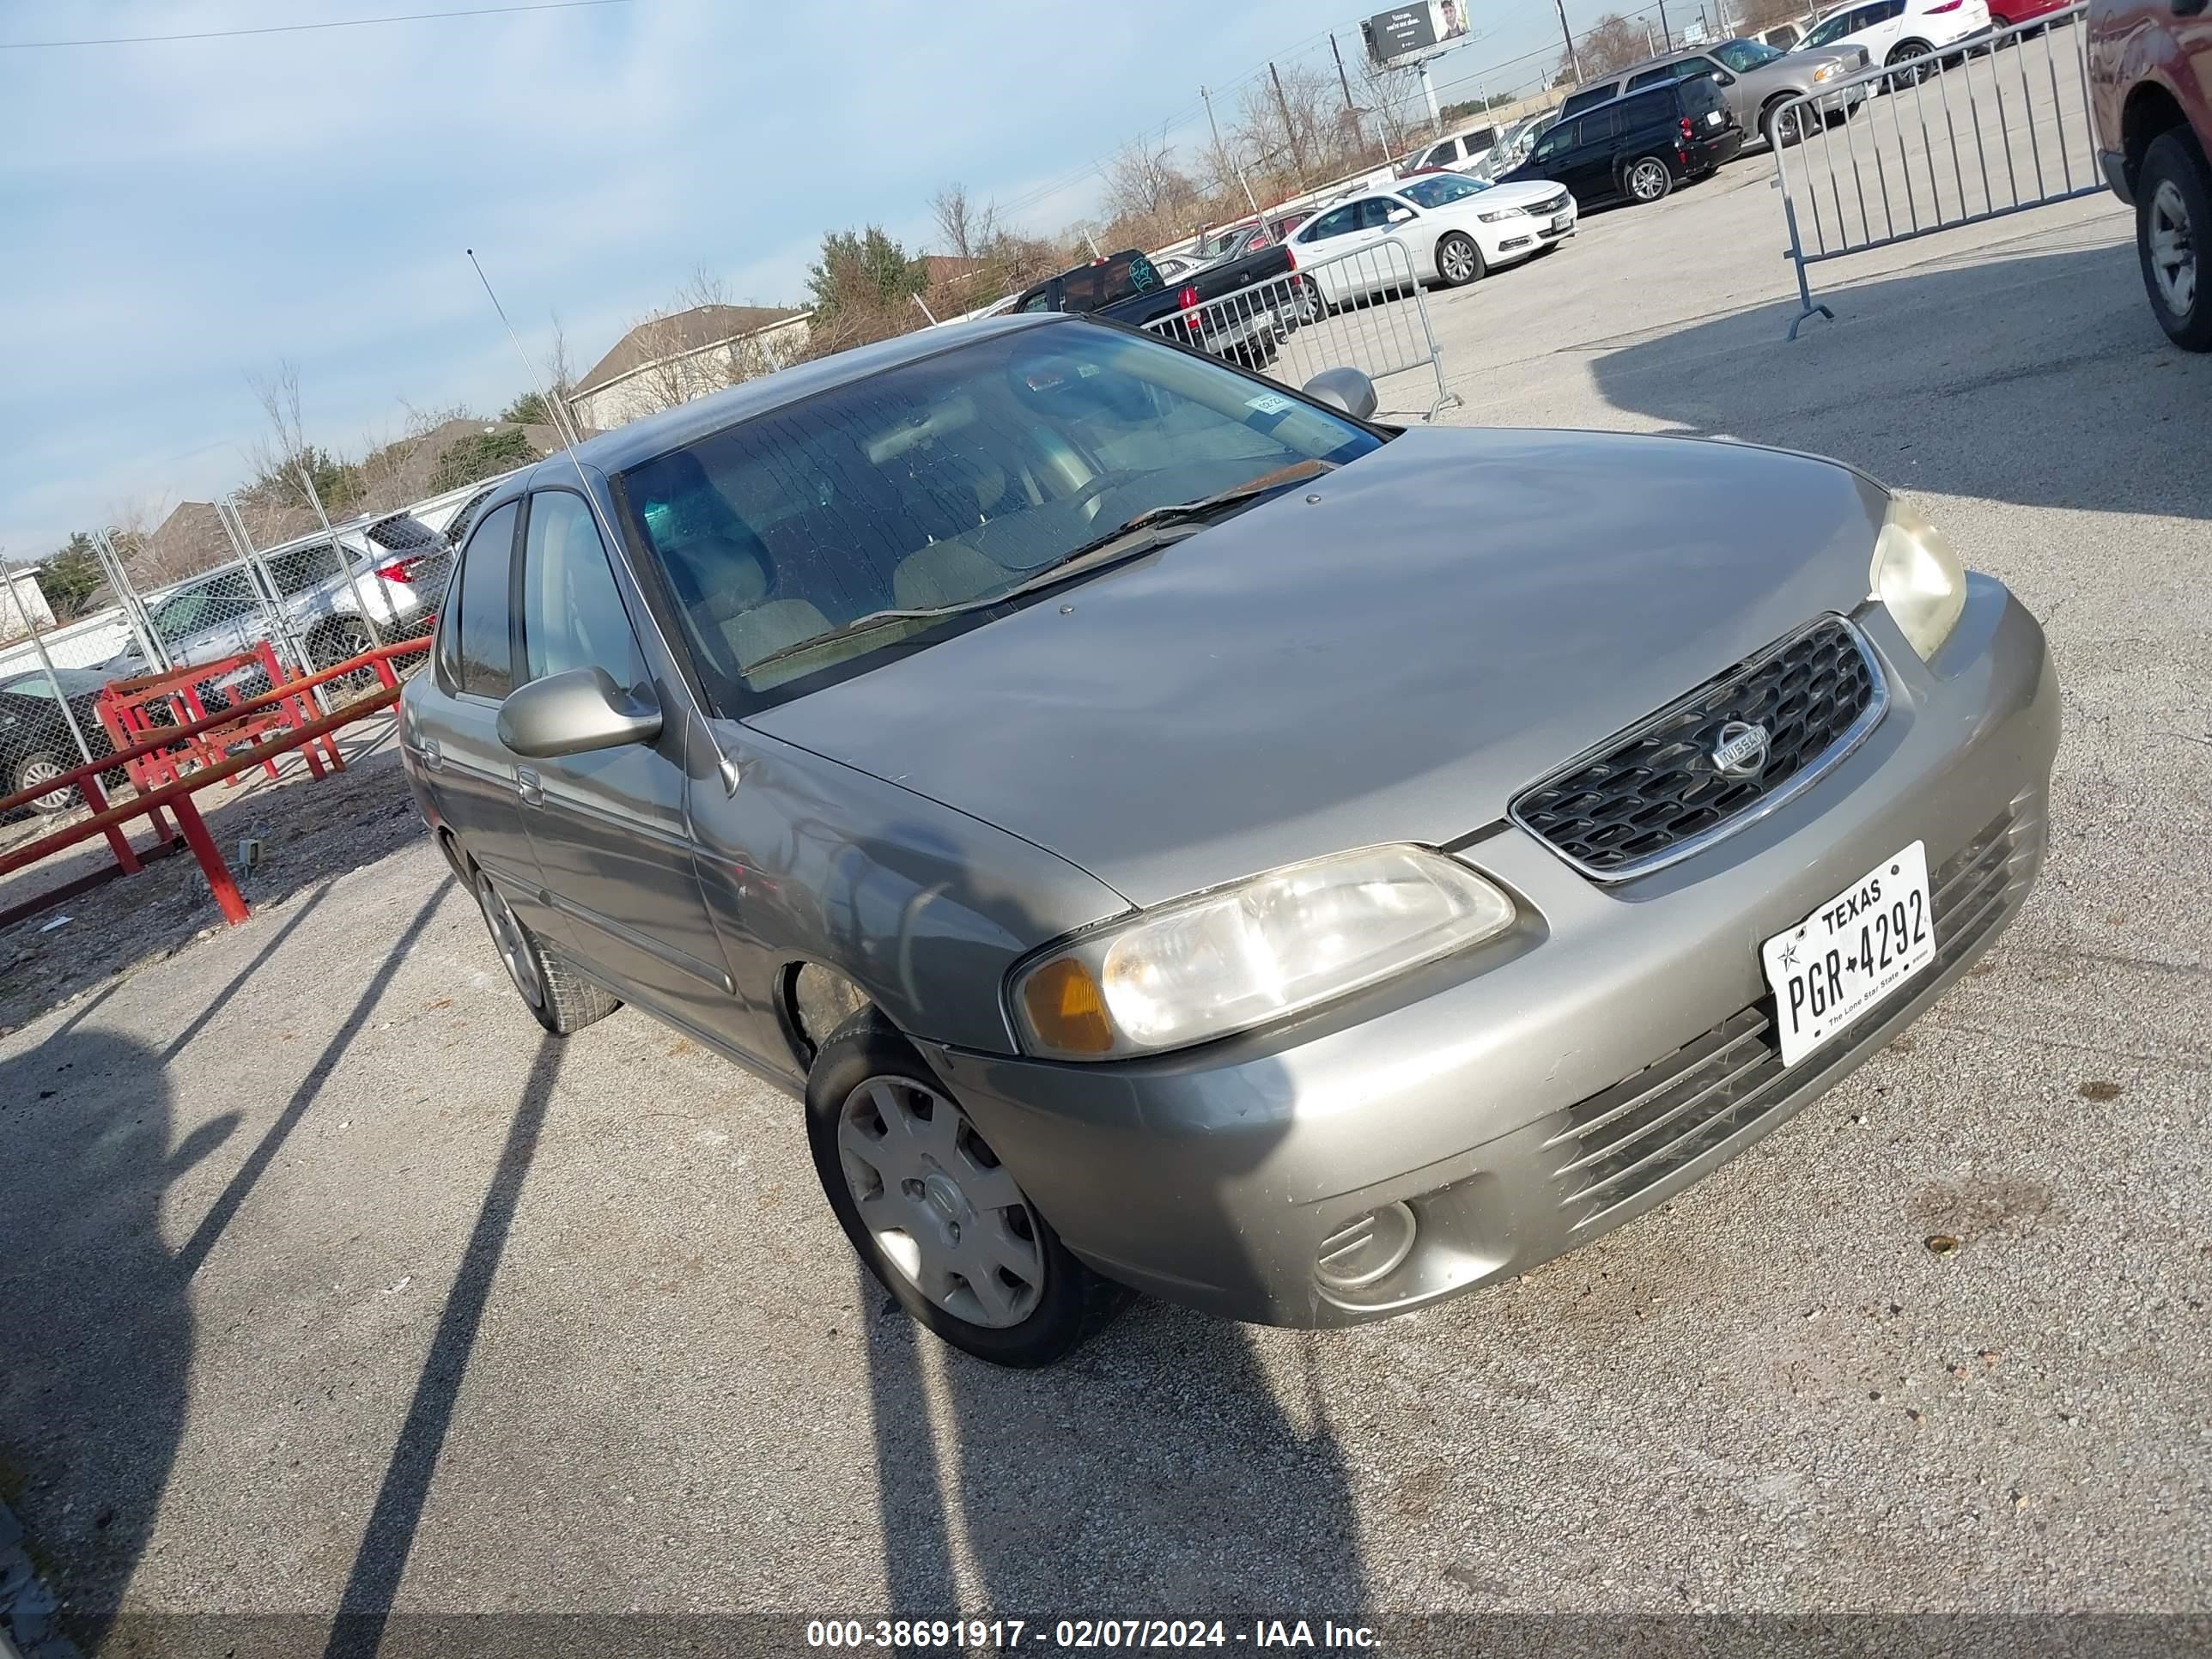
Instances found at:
x=1345 y=389
x=1399 y=216
x=574 y=713
x=1723 y=78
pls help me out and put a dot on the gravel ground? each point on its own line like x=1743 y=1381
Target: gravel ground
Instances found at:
x=309 y=829
x=334 y=1286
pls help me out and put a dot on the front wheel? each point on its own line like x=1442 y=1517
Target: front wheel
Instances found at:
x=2174 y=213
x=36 y=768
x=938 y=1219
x=1458 y=261
x=1646 y=180
x=1786 y=125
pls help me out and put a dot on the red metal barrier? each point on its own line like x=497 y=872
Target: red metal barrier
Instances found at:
x=177 y=794
x=126 y=709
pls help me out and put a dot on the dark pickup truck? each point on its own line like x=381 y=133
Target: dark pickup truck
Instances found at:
x=1126 y=288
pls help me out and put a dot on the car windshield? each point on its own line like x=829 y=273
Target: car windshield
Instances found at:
x=75 y=682
x=1744 y=56
x=941 y=484
x=1442 y=190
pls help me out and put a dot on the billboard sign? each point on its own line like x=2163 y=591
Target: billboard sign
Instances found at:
x=1405 y=34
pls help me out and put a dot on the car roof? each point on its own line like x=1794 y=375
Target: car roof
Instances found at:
x=656 y=434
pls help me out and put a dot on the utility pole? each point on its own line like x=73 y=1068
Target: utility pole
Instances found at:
x=1663 y=29
x=1290 y=127
x=1206 y=98
x=1650 y=46
x=1358 y=130
x=1574 y=63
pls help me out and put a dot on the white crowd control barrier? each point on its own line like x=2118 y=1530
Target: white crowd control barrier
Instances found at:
x=1362 y=309
x=1978 y=130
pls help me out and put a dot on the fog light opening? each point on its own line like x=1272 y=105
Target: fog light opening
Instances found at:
x=1367 y=1249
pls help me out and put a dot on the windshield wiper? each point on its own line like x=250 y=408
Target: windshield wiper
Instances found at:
x=1140 y=533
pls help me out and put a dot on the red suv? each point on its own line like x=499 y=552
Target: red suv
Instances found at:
x=2151 y=70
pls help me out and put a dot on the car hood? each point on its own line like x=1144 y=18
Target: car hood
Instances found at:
x=1387 y=654
x=1796 y=68
x=1518 y=193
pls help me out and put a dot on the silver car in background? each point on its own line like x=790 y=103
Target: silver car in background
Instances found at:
x=1177 y=834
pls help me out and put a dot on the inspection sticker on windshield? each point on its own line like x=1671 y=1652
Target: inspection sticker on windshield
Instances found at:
x=1855 y=950
x=1268 y=403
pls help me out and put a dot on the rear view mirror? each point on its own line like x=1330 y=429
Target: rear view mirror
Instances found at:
x=574 y=713
x=1345 y=389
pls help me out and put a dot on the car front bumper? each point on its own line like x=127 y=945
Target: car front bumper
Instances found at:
x=1468 y=1092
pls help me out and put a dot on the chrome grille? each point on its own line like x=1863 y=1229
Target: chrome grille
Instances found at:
x=1621 y=1141
x=1652 y=794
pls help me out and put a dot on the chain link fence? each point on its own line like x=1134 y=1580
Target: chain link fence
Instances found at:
x=305 y=602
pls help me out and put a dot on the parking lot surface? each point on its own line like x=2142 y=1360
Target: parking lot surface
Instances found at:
x=333 y=1285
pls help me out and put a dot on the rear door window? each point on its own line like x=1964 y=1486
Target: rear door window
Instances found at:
x=1337 y=221
x=298 y=568
x=481 y=660
x=1600 y=127
x=1651 y=78
x=1648 y=109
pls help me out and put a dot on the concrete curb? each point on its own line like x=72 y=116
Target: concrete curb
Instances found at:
x=28 y=1626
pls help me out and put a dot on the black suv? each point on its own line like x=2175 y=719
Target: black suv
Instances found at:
x=1638 y=147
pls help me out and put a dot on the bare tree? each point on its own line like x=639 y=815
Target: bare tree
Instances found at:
x=1610 y=45
x=965 y=229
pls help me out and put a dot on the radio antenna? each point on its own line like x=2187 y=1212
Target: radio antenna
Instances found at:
x=564 y=423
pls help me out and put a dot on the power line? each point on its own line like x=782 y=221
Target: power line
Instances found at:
x=302 y=29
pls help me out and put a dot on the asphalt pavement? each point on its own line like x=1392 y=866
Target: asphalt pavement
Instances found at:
x=330 y=1284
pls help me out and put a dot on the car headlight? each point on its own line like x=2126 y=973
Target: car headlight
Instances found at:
x=1497 y=213
x=1919 y=577
x=1257 y=951
x=1826 y=72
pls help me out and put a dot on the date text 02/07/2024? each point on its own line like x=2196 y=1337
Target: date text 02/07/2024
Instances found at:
x=1082 y=1634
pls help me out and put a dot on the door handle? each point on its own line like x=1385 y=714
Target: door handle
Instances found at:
x=427 y=752
x=527 y=785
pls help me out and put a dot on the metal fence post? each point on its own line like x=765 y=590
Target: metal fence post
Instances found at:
x=151 y=648
x=346 y=563
x=258 y=577
x=8 y=580
x=1806 y=307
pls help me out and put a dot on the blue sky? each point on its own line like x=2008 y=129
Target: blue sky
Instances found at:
x=179 y=215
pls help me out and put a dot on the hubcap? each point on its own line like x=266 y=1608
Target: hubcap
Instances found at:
x=2173 y=249
x=1648 y=178
x=945 y=1211
x=512 y=945
x=44 y=771
x=1457 y=265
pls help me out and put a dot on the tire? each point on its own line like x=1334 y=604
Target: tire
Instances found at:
x=2173 y=222
x=1903 y=51
x=1808 y=122
x=36 y=767
x=1458 y=261
x=558 y=998
x=904 y=1190
x=335 y=641
x=1646 y=180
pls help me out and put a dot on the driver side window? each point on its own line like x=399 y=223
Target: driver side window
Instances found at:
x=572 y=611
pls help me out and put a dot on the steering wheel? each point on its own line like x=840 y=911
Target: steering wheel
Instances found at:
x=1085 y=499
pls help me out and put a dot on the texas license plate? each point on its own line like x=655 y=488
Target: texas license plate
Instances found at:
x=1855 y=950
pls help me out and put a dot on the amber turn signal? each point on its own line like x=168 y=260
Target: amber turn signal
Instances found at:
x=1065 y=1008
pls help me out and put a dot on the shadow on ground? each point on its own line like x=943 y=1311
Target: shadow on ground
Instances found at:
x=1944 y=378
x=310 y=829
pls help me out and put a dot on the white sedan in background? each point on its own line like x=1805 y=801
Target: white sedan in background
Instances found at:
x=1454 y=229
